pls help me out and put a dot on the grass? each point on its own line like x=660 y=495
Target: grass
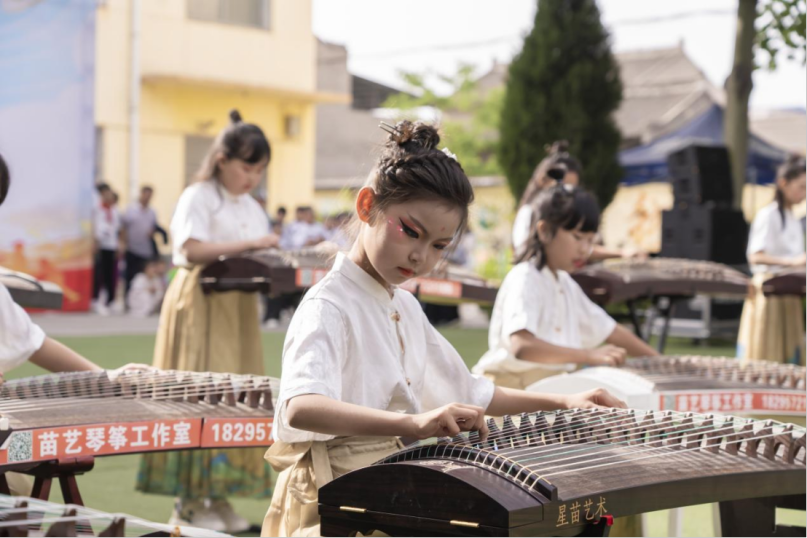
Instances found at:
x=110 y=486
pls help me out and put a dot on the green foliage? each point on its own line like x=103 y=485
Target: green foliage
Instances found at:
x=564 y=84
x=470 y=118
x=781 y=28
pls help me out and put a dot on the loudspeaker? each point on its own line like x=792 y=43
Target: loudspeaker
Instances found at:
x=701 y=174
x=707 y=233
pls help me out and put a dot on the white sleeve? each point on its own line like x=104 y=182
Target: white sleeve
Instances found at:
x=192 y=217
x=763 y=232
x=314 y=352
x=522 y=306
x=447 y=377
x=521 y=227
x=21 y=337
x=595 y=323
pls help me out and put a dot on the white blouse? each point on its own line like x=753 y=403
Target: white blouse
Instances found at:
x=208 y=213
x=768 y=235
x=19 y=336
x=552 y=308
x=350 y=341
x=521 y=227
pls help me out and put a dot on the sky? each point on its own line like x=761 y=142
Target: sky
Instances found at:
x=385 y=37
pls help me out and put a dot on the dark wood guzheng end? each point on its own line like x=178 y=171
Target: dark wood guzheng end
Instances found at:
x=59 y=417
x=786 y=283
x=29 y=292
x=616 y=281
x=568 y=473
x=22 y=516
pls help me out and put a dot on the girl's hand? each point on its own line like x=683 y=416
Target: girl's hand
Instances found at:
x=607 y=355
x=267 y=241
x=593 y=399
x=449 y=420
x=131 y=367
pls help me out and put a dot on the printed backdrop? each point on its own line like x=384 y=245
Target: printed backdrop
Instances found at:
x=47 y=138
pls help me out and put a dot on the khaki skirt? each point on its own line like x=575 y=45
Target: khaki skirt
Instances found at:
x=306 y=467
x=771 y=328
x=219 y=332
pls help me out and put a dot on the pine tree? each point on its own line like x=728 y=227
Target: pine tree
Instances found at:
x=564 y=84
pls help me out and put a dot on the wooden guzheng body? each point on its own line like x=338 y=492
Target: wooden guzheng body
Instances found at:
x=23 y=516
x=793 y=282
x=698 y=384
x=616 y=281
x=569 y=472
x=29 y=292
x=452 y=285
x=267 y=271
x=79 y=414
x=274 y=271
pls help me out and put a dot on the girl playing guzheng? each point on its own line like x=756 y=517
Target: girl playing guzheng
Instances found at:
x=543 y=324
x=218 y=332
x=23 y=340
x=772 y=328
x=361 y=363
x=559 y=166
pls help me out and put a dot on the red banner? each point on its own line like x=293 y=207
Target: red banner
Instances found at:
x=783 y=402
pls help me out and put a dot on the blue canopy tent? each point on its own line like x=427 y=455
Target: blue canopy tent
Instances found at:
x=648 y=163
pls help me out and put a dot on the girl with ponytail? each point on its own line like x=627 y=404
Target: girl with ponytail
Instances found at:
x=219 y=332
x=772 y=328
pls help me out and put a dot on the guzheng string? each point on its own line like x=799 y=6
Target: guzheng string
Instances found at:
x=166 y=385
x=163 y=388
x=702 y=434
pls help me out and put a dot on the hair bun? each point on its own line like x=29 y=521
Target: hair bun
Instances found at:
x=235 y=116
x=406 y=133
x=558 y=146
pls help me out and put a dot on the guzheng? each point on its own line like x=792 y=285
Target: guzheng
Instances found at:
x=275 y=271
x=267 y=271
x=452 y=285
x=691 y=383
x=24 y=516
x=79 y=414
x=786 y=283
x=616 y=281
x=30 y=292
x=570 y=472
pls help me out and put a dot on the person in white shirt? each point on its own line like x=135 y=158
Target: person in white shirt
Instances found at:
x=218 y=332
x=106 y=244
x=772 y=328
x=543 y=323
x=361 y=364
x=23 y=340
x=147 y=289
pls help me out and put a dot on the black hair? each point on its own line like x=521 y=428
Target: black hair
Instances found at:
x=5 y=180
x=557 y=163
x=411 y=167
x=560 y=206
x=793 y=167
x=101 y=188
x=239 y=140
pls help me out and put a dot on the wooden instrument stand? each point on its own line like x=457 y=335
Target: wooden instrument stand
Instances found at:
x=65 y=470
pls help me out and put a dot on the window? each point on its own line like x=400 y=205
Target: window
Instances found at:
x=253 y=13
x=195 y=150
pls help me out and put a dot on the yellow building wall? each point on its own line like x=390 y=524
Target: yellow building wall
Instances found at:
x=193 y=73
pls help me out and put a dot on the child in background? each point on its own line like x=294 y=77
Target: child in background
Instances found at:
x=147 y=289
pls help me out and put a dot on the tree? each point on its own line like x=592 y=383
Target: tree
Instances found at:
x=470 y=117
x=782 y=27
x=564 y=84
